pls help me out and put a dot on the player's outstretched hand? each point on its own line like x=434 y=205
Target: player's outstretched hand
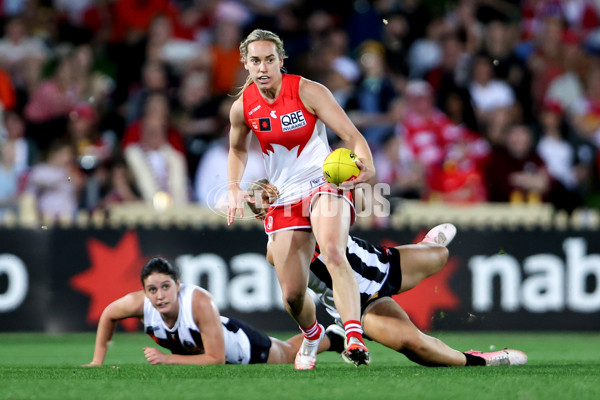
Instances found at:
x=155 y=356
x=237 y=197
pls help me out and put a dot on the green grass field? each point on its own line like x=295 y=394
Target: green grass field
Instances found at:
x=37 y=366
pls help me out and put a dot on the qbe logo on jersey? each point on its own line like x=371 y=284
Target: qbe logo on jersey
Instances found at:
x=293 y=120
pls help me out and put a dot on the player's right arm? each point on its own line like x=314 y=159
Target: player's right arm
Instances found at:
x=319 y=100
x=239 y=142
x=128 y=306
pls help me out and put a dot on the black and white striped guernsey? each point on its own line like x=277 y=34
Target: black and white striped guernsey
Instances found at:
x=376 y=268
x=243 y=343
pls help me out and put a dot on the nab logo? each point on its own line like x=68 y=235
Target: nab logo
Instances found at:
x=292 y=121
x=260 y=124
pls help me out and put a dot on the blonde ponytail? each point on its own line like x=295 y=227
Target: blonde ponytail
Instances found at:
x=246 y=84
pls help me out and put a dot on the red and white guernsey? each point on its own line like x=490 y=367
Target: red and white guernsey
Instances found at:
x=293 y=140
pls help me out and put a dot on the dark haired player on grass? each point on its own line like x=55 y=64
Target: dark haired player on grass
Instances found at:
x=184 y=319
x=382 y=272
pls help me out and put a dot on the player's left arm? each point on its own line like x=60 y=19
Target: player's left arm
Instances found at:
x=207 y=318
x=320 y=101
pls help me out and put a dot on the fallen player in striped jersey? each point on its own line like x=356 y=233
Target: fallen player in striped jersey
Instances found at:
x=184 y=319
x=382 y=272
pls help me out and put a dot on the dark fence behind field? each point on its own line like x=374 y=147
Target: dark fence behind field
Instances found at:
x=57 y=278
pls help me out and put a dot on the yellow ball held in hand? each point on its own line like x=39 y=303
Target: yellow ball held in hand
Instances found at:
x=340 y=165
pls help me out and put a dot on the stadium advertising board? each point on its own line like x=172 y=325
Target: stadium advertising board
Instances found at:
x=60 y=280
x=24 y=282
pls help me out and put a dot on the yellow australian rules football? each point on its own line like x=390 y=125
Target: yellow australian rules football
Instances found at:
x=340 y=165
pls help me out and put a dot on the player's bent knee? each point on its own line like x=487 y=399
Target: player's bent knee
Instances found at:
x=293 y=298
x=333 y=256
x=412 y=344
x=443 y=255
x=440 y=257
x=402 y=340
x=408 y=339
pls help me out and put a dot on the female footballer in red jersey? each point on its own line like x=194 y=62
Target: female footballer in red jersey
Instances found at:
x=288 y=115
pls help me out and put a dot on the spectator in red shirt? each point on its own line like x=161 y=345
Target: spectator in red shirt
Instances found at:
x=132 y=18
x=515 y=172
x=8 y=98
x=460 y=179
x=157 y=106
x=427 y=128
x=394 y=162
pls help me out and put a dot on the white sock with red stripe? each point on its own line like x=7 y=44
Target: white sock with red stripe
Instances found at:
x=354 y=329
x=313 y=332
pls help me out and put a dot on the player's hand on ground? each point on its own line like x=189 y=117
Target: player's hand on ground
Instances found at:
x=236 y=199
x=155 y=356
x=92 y=364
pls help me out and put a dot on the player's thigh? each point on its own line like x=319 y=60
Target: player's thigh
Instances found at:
x=387 y=323
x=418 y=261
x=292 y=252
x=330 y=219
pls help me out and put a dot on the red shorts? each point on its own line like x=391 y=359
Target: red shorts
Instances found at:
x=296 y=216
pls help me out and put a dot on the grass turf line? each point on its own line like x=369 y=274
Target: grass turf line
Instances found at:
x=561 y=366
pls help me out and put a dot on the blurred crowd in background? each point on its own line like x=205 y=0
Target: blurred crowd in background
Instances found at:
x=110 y=101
